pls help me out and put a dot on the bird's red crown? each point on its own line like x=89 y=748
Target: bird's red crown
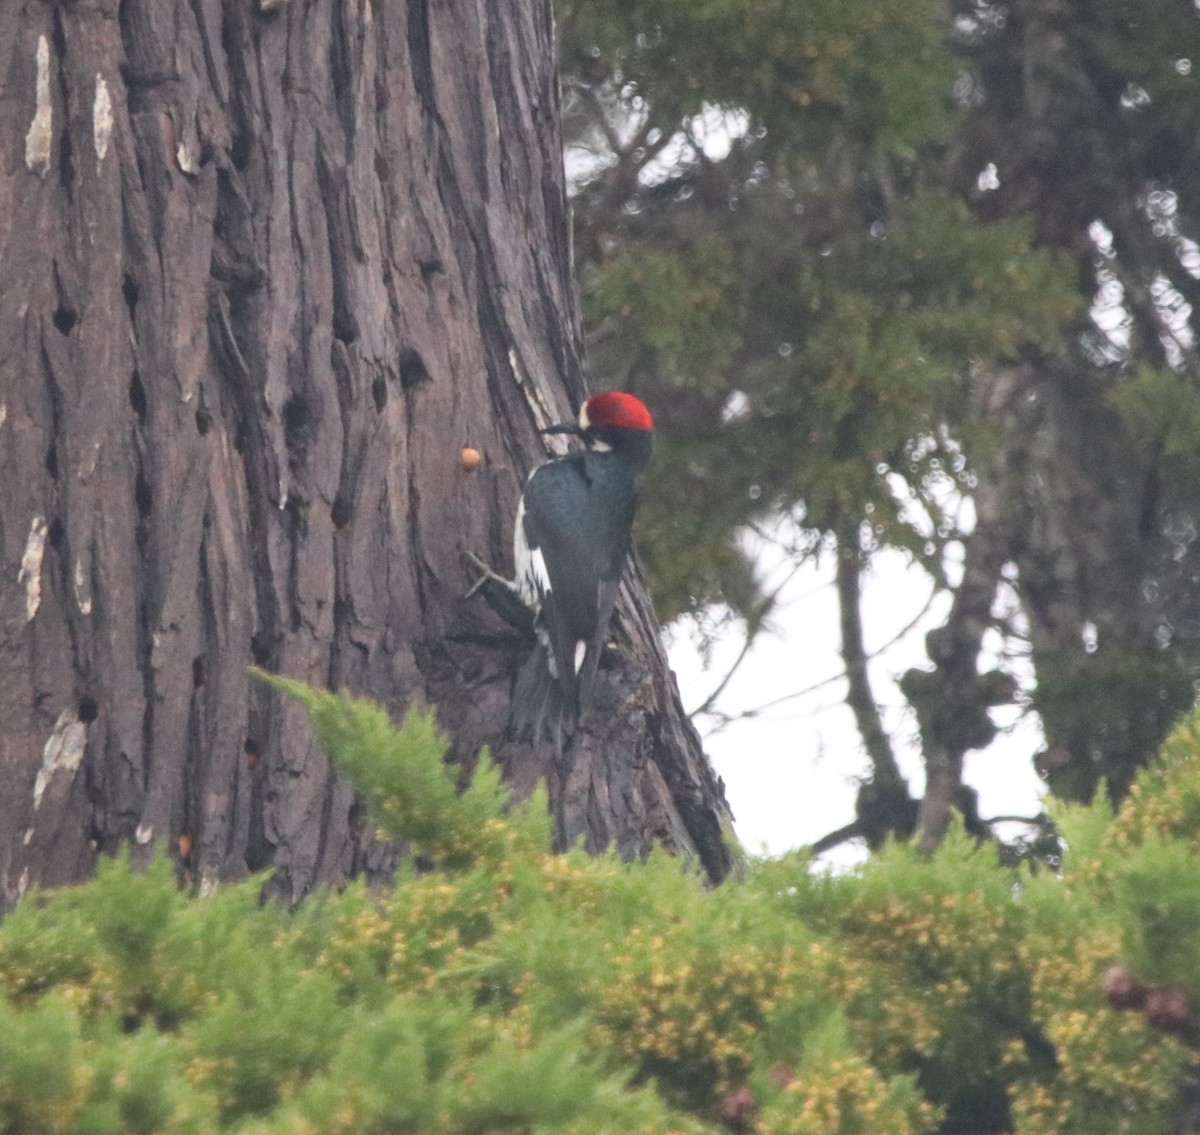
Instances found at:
x=616 y=408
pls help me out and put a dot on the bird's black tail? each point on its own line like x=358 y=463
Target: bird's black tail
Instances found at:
x=543 y=708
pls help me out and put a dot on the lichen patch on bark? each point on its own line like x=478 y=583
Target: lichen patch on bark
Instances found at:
x=63 y=751
x=41 y=131
x=102 y=118
x=31 y=566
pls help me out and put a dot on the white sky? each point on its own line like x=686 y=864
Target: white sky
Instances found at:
x=791 y=771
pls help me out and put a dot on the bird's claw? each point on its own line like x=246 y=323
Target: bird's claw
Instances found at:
x=501 y=595
x=486 y=575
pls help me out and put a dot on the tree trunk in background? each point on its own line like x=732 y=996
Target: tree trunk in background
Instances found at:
x=1092 y=561
x=267 y=267
x=883 y=806
x=1099 y=517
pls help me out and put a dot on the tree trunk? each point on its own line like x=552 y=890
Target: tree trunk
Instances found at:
x=883 y=805
x=1099 y=581
x=268 y=267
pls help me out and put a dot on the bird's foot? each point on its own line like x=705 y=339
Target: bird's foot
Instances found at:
x=501 y=595
x=486 y=575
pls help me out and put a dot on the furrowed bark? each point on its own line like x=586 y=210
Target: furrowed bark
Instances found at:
x=266 y=272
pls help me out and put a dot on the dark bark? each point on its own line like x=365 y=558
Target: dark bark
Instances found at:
x=267 y=268
x=1057 y=503
x=952 y=700
x=883 y=805
x=1095 y=582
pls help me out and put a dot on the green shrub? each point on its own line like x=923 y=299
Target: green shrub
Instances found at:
x=511 y=990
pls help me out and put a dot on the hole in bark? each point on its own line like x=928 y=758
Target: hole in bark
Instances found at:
x=298 y=422
x=250 y=748
x=129 y=290
x=412 y=369
x=137 y=396
x=295 y=413
x=296 y=511
x=197 y=672
x=358 y=818
x=64 y=319
x=260 y=652
x=67 y=161
x=294 y=620
x=342 y=512
x=57 y=535
x=204 y=421
x=89 y=709
x=379 y=393
x=52 y=461
x=239 y=438
x=142 y=495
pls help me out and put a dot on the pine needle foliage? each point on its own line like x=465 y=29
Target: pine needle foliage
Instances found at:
x=508 y=989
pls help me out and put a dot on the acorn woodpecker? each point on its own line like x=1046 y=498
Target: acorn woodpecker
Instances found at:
x=570 y=544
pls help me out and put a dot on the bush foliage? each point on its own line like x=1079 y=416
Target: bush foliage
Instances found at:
x=499 y=988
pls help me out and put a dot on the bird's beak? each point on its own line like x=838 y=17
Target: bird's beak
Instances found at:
x=565 y=428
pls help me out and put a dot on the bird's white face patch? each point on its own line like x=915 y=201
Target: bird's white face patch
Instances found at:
x=585 y=424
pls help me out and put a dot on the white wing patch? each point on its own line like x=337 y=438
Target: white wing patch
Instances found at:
x=522 y=558
x=533 y=580
x=533 y=586
x=537 y=563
